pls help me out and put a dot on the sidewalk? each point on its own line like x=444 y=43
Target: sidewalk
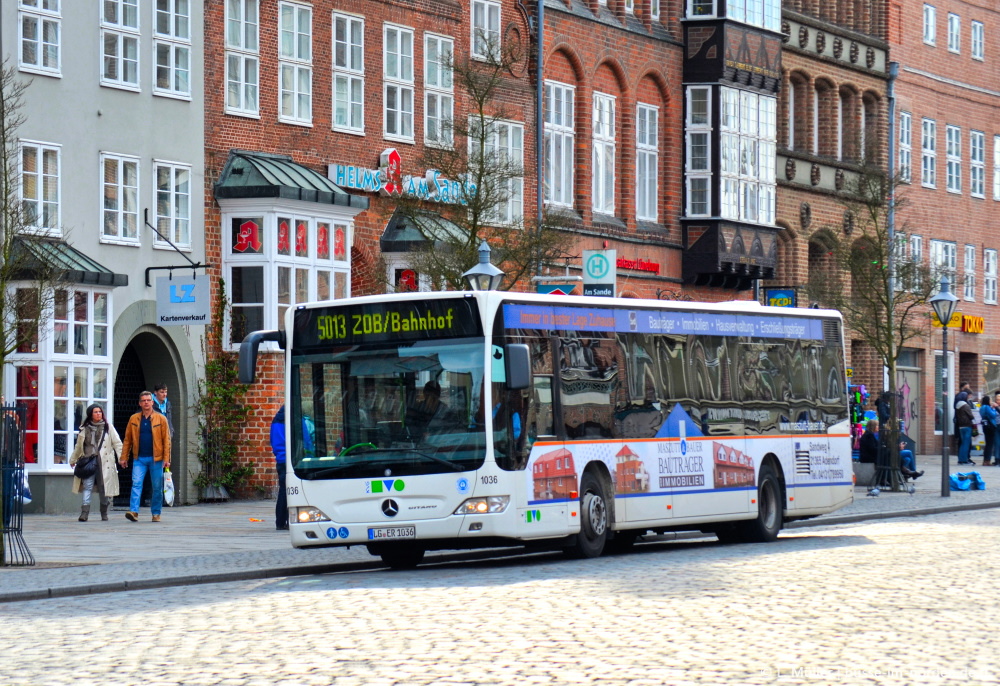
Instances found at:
x=212 y=543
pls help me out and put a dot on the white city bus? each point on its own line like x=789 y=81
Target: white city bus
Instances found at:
x=454 y=420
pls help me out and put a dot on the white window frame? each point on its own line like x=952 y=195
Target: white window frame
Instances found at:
x=45 y=18
x=294 y=64
x=439 y=90
x=996 y=167
x=977 y=164
x=604 y=156
x=81 y=371
x=647 y=162
x=654 y=9
x=243 y=59
x=175 y=224
x=953 y=158
x=906 y=147
x=928 y=153
x=990 y=276
x=485 y=24
x=943 y=261
x=698 y=135
x=954 y=33
x=42 y=180
x=763 y=13
x=977 y=39
x=969 y=275
x=120 y=200
x=748 y=151
x=505 y=140
x=173 y=43
x=270 y=261
x=917 y=259
x=701 y=9
x=930 y=24
x=560 y=144
x=126 y=35
x=348 y=74
x=398 y=78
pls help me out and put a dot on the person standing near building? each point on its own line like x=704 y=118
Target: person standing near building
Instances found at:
x=97 y=437
x=987 y=410
x=147 y=439
x=278 y=448
x=162 y=405
x=964 y=420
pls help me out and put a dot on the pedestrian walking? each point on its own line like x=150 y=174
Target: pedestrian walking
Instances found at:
x=278 y=448
x=97 y=439
x=161 y=403
x=147 y=440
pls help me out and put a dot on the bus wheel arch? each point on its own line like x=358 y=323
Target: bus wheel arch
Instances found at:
x=770 y=516
x=596 y=512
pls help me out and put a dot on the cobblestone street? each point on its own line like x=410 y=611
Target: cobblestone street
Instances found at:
x=904 y=601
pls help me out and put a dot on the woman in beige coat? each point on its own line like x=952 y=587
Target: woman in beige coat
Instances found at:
x=97 y=437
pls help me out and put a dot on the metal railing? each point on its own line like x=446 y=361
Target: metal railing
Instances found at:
x=13 y=550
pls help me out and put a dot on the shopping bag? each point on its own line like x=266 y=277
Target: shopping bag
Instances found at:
x=967 y=481
x=168 y=488
x=25 y=490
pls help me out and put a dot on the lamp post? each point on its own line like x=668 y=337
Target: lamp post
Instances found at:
x=944 y=306
x=484 y=276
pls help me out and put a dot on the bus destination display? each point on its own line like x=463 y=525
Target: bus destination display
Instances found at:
x=388 y=321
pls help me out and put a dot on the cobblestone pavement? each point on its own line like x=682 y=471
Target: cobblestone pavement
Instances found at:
x=901 y=601
x=237 y=541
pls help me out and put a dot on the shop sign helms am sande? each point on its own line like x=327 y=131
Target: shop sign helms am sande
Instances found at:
x=389 y=180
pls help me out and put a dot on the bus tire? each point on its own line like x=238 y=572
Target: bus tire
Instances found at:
x=402 y=557
x=770 y=514
x=593 y=518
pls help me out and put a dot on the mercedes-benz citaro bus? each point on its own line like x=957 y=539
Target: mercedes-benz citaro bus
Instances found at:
x=448 y=420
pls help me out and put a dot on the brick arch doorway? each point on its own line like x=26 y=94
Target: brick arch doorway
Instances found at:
x=145 y=362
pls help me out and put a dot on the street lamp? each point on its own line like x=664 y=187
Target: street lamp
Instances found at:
x=484 y=276
x=944 y=306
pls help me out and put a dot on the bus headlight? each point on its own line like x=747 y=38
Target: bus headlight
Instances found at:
x=489 y=505
x=305 y=515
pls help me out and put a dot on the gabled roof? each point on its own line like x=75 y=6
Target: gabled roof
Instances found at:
x=71 y=265
x=403 y=231
x=265 y=175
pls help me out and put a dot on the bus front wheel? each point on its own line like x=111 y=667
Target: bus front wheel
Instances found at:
x=593 y=518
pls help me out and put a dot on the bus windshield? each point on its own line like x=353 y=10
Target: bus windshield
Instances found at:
x=374 y=410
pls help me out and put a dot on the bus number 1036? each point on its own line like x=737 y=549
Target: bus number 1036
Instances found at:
x=331 y=327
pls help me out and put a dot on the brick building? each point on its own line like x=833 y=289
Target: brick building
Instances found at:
x=310 y=109
x=948 y=124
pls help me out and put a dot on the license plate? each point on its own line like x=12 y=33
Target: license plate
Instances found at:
x=392 y=532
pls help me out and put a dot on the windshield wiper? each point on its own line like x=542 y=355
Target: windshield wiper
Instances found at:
x=428 y=456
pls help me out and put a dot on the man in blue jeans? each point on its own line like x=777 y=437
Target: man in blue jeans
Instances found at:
x=147 y=439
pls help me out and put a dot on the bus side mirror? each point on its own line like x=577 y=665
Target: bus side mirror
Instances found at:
x=247 y=367
x=517 y=357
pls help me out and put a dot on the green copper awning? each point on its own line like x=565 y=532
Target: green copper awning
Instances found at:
x=265 y=175
x=37 y=256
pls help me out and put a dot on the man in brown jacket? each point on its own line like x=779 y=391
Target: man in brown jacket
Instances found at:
x=147 y=439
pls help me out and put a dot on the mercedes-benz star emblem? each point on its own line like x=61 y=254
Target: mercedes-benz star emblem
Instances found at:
x=390 y=508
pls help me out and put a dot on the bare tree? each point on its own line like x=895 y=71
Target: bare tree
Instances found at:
x=882 y=294
x=481 y=154
x=27 y=269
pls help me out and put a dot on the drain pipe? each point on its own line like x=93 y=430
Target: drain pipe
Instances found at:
x=890 y=220
x=540 y=129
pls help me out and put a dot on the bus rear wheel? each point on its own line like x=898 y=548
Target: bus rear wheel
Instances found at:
x=593 y=518
x=400 y=556
x=770 y=514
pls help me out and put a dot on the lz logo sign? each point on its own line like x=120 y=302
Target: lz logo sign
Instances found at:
x=182 y=300
x=182 y=293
